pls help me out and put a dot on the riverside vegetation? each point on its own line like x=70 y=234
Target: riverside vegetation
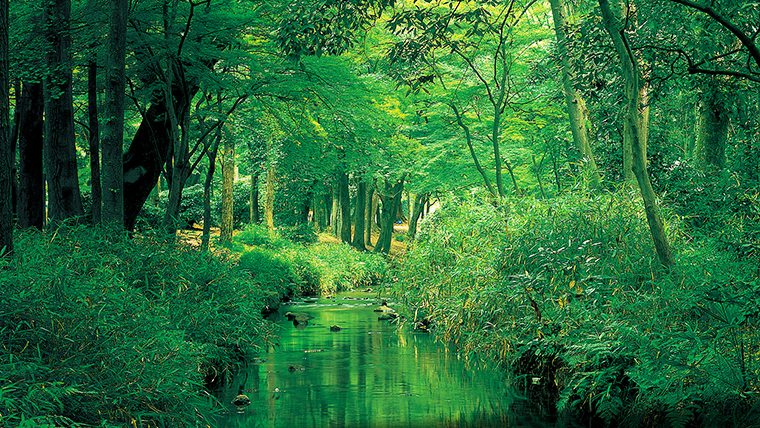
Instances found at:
x=566 y=294
x=136 y=332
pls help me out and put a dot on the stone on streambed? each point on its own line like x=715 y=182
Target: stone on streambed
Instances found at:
x=298 y=316
x=384 y=307
x=387 y=316
x=241 y=401
x=335 y=328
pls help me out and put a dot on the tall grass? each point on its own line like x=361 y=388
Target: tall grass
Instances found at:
x=117 y=332
x=568 y=295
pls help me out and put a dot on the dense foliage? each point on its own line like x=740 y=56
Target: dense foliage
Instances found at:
x=567 y=291
x=135 y=332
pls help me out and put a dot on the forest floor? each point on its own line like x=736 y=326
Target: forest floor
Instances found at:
x=397 y=247
x=192 y=238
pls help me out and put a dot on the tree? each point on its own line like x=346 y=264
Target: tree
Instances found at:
x=390 y=195
x=31 y=196
x=113 y=135
x=211 y=154
x=418 y=204
x=576 y=106
x=228 y=181
x=64 y=199
x=729 y=62
x=345 y=206
x=629 y=70
x=476 y=52
x=359 y=215
x=6 y=169
x=94 y=138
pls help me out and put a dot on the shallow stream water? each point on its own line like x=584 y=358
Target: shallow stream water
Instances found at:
x=370 y=374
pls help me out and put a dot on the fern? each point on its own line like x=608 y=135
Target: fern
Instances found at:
x=609 y=408
x=679 y=416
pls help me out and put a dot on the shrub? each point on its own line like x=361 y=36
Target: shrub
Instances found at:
x=569 y=291
x=271 y=273
x=259 y=235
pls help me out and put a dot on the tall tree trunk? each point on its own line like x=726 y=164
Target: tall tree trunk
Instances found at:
x=14 y=140
x=361 y=194
x=320 y=212
x=391 y=198
x=228 y=185
x=345 y=208
x=576 y=107
x=496 y=128
x=335 y=223
x=6 y=151
x=269 y=204
x=94 y=140
x=643 y=118
x=178 y=173
x=368 y=216
x=64 y=198
x=400 y=216
x=417 y=207
x=376 y=220
x=468 y=140
x=254 y=199
x=211 y=154
x=631 y=76
x=713 y=130
x=113 y=135
x=148 y=152
x=31 y=197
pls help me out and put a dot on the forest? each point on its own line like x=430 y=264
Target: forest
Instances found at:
x=567 y=188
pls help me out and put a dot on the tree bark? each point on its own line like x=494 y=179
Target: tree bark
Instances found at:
x=178 y=172
x=254 y=199
x=211 y=154
x=376 y=220
x=368 y=216
x=643 y=132
x=417 y=207
x=228 y=183
x=576 y=107
x=335 y=222
x=359 y=216
x=6 y=145
x=113 y=135
x=269 y=205
x=64 y=198
x=94 y=140
x=345 y=208
x=468 y=140
x=391 y=198
x=148 y=152
x=631 y=76
x=31 y=196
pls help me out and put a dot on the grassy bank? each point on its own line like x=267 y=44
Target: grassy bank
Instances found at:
x=97 y=332
x=568 y=295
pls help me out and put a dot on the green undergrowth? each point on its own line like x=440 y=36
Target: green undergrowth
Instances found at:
x=311 y=269
x=96 y=331
x=567 y=294
x=119 y=332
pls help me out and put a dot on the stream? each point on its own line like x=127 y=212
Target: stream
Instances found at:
x=370 y=374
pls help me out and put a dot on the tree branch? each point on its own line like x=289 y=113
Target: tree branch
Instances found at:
x=730 y=26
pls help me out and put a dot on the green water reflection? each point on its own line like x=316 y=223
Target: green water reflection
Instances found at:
x=368 y=374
